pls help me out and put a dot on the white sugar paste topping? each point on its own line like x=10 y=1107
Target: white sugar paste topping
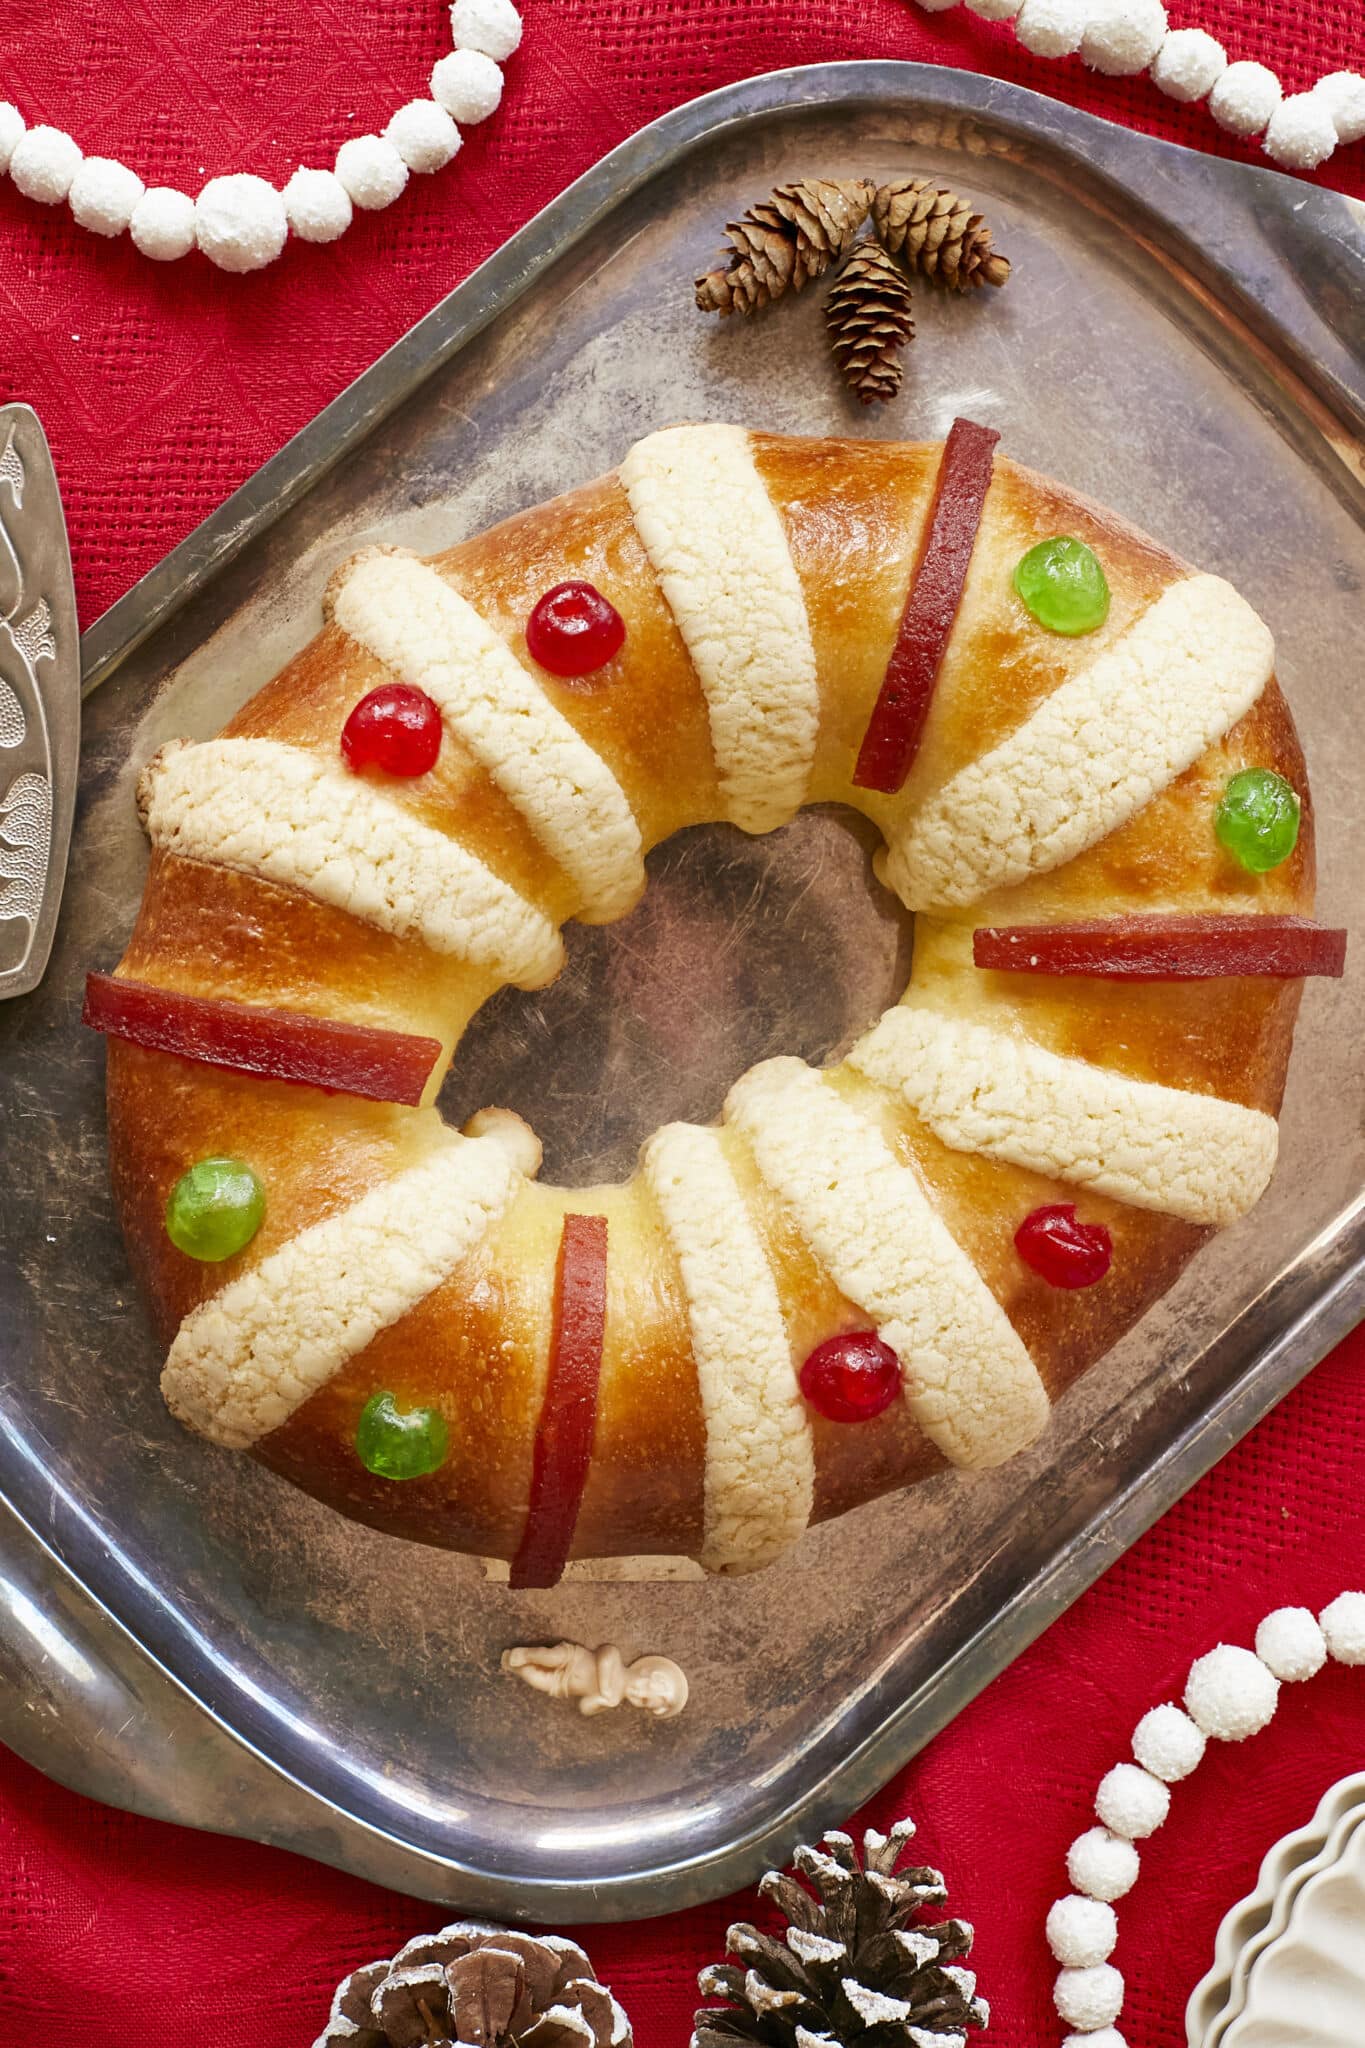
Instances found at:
x=410 y=619
x=275 y=811
x=760 y=1459
x=1094 y=753
x=720 y=552
x=244 y=1361
x=982 y=1090
x=969 y=1382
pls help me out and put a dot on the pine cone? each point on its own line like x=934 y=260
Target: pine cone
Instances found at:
x=853 y=1970
x=869 y=320
x=936 y=233
x=786 y=239
x=490 y=1987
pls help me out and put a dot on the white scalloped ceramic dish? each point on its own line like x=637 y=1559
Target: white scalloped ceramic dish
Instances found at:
x=1308 y=1984
x=1251 y=1925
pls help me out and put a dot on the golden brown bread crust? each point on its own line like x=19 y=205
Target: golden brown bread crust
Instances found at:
x=854 y=515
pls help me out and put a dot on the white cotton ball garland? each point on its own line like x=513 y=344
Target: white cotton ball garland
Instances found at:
x=1131 y=1802
x=318 y=205
x=1290 y=1643
x=104 y=195
x=468 y=85
x=1189 y=64
x=1244 y=98
x=240 y=222
x=1343 y=1626
x=163 y=224
x=492 y=26
x=1342 y=92
x=371 y=170
x=1088 y=1999
x=1081 y=1932
x=1101 y=1865
x=1169 y=1744
x=12 y=126
x=1231 y=1694
x=43 y=164
x=1051 y=28
x=1121 y=38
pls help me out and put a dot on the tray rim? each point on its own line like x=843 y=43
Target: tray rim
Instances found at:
x=1309 y=1328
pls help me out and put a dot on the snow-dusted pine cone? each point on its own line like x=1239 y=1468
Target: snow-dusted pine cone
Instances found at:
x=475 y=1983
x=851 y=1968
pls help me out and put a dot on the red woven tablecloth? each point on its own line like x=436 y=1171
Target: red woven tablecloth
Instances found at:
x=162 y=389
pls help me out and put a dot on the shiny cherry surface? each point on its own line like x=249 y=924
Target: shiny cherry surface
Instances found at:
x=851 y=1378
x=1064 y=1252
x=574 y=630
x=396 y=728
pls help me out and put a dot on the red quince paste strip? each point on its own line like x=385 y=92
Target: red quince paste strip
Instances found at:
x=568 y=1419
x=896 y=726
x=1165 y=948
x=278 y=1045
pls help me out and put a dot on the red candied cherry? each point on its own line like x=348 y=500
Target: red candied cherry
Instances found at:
x=396 y=728
x=1066 y=1253
x=851 y=1378
x=574 y=630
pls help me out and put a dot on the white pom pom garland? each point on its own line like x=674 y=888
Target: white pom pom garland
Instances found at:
x=371 y=170
x=1302 y=133
x=1081 y=1932
x=1101 y=1865
x=1123 y=37
x=468 y=85
x=241 y=222
x=1189 y=64
x=1167 y=1743
x=1089 y=1999
x=1231 y=1694
x=318 y=206
x=163 y=224
x=1290 y=1643
x=1051 y=28
x=490 y=26
x=1343 y=93
x=43 y=163
x=1343 y=1625
x=13 y=124
x=1244 y=98
x=104 y=195
x=424 y=135
x=1131 y=1802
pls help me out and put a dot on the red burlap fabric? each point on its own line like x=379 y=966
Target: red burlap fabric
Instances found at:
x=161 y=390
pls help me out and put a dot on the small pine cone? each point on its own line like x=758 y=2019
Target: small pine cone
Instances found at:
x=855 y=1967
x=786 y=239
x=937 y=234
x=485 y=1986
x=869 y=320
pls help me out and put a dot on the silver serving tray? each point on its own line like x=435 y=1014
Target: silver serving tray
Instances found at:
x=183 y=1634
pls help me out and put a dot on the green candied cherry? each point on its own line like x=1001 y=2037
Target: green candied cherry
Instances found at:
x=1257 y=820
x=215 y=1209
x=1063 y=585
x=397 y=1444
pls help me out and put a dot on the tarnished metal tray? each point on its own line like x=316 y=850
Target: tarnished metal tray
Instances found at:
x=184 y=1634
